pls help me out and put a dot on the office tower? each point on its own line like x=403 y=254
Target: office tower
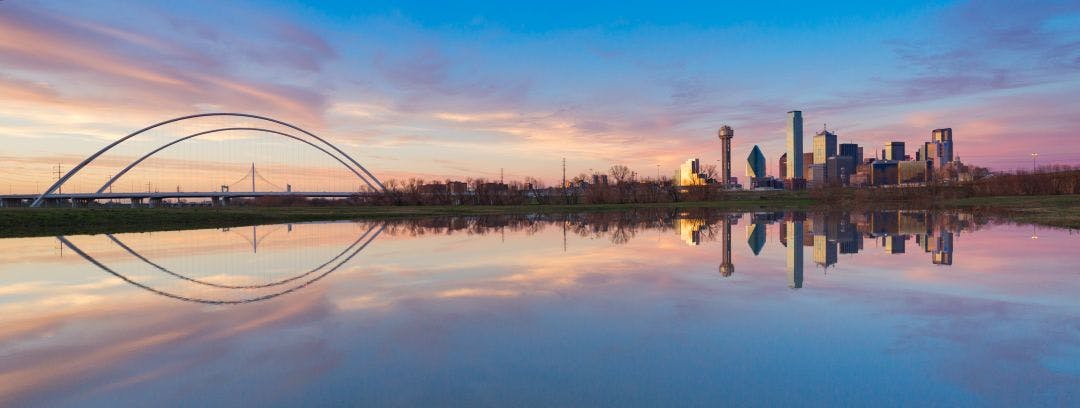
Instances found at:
x=944 y=136
x=807 y=160
x=690 y=174
x=726 y=268
x=755 y=164
x=851 y=150
x=839 y=169
x=918 y=171
x=824 y=146
x=795 y=254
x=894 y=151
x=794 y=145
x=783 y=166
x=755 y=237
x=725 y=133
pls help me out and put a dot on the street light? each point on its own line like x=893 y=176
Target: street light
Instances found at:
x=1033 y=156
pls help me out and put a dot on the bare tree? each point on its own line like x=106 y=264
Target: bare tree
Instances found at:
x=621 y=173
x=710 y=171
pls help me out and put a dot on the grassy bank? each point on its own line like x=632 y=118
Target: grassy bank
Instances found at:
x=66 y=221
x=1060 y=211
x=1055 y=211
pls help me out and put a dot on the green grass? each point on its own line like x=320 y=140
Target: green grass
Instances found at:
x=1058 y=211
x=66 y=221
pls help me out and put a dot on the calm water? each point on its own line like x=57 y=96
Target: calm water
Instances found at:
x=651 y=308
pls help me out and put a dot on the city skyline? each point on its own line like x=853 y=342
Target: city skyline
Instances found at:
x=437 y=93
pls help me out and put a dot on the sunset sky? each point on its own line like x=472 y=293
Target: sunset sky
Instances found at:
x=436 y=90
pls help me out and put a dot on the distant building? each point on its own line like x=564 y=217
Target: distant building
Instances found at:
x=808 y=160
x=915 y=171
x=690 y=174
x=457 y=187
x=944 y=137
x=851 y=150
x=795 y=145
x=755 y=164
x=824 y=146
x=894 y=151
x=600 y=179
x=884 y=172
x=725 y=134
x=783 y=166
x=839 y=169
x=816 y=175
x=929 y=151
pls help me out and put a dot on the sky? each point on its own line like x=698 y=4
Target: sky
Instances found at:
x=469 y=89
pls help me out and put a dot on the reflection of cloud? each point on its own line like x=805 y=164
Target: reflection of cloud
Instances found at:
x=138 y=331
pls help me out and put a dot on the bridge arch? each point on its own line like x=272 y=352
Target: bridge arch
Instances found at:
x=194 y=135
x=63 y=179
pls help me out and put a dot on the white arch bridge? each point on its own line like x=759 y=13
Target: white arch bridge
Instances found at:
x=53 y=195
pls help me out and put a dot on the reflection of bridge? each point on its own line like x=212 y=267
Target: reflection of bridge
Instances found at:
x=298 y=281
x=52 y=196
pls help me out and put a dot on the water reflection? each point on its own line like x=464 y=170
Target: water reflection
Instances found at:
x=359 y=244
x=828 y=234
x=650 y=307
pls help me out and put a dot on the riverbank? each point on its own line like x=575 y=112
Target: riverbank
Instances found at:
x=1056 y=211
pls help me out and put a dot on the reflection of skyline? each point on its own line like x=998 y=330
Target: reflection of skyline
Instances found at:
x=795 y=253
x=831 y=234
x=726 y=267
x=828 y=234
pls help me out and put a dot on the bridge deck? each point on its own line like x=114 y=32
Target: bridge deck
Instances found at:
x=212 y=194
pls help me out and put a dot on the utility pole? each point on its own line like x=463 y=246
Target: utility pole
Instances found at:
x=500 y=175
x=563 y=186
x=657 y=174
x=61 y=190
x=1033 y=156
x=147 y=186
x=563 y=172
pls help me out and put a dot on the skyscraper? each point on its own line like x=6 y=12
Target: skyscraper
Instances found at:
x=794 y=145
x=894 y=151
x=852 y=150
x=783 y=166
x=755 y=164
x=944 y=136
x=725 y=134
x=824 y=146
